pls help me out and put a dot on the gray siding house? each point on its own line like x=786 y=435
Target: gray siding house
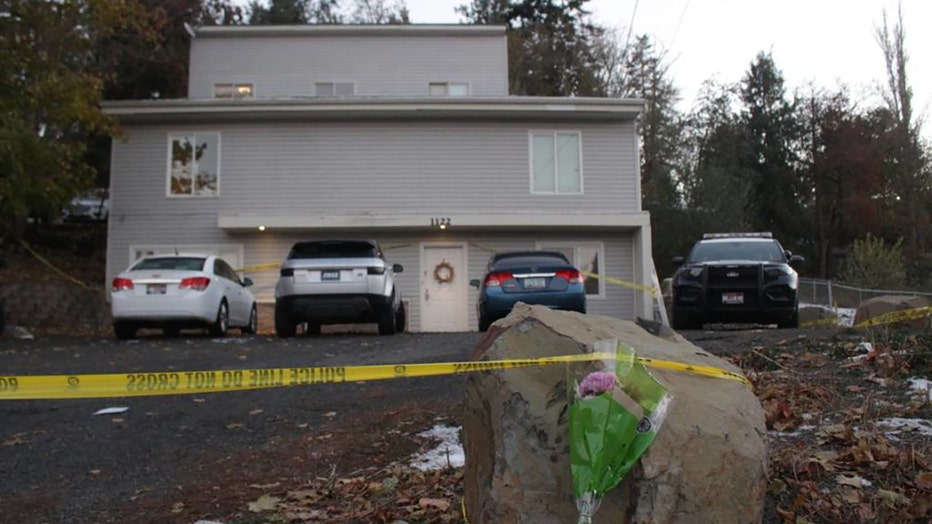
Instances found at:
x=402 y=134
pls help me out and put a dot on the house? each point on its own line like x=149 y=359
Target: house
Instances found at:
x=403 y=134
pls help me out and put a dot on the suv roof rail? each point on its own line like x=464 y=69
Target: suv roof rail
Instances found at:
x=759 y=234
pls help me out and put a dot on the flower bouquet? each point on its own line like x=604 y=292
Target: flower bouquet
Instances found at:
x=612 y=420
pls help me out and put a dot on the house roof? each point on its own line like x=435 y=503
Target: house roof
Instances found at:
x=244 y=31
x=375 y=108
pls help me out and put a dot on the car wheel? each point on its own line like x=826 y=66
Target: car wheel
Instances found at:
x=401 y=319
x=484 y=323
x=284 y=326
x=222 y=323
x=685 y=322
x=311 y=328
x=253 y=326
x=124 y=330
x=387 y=321
x=790 y=323
x=171 y=332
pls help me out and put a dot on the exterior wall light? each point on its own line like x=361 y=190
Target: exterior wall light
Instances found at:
x=261 y=228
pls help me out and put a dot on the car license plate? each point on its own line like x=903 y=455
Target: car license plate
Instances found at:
x=732 y=298
x=330 y=275
x=155 y=289
x=534 y=283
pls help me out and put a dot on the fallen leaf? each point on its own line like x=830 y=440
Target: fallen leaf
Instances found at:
x=255 y=412
x=330 y=414
x=236 y=425
x=116 y=420
x=854 y=481
x=851 y=496
x=94 y=472
x=264 y=503
x=440 y=504
x=924 y=480
x=892 y=498
x=16 y=439
x=265 y=486
x=178 y=507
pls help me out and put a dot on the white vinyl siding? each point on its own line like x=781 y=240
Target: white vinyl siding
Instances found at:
x=193 y=165
x=231 y=253
x=556 y=162
x=379 y=66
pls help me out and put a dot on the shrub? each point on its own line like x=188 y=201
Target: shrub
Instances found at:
x=873 y=264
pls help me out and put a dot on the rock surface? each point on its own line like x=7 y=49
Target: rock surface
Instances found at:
x=874 y=307
x=708 y=463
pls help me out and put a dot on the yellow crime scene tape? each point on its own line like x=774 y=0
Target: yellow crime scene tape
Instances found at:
x=618 y=282
x=896 y=316
x=36 y=387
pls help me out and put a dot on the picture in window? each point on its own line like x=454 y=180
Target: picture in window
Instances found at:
x=195 y=165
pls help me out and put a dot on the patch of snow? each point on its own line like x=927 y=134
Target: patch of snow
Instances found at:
x=449 y=453
x=111 y=411
x=898 y=425
x=799 y=431
x=921 y=385
x=845 y=316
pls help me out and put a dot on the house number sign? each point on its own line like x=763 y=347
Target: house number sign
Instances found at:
x=440 y=221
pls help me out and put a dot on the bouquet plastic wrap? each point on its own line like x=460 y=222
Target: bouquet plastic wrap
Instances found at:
x=613 y=419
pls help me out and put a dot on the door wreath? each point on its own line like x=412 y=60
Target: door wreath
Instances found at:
x=443 y=273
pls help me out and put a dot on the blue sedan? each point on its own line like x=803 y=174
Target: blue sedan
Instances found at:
x=545 y=278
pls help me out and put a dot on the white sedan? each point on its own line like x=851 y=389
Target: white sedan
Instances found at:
x=175 y=292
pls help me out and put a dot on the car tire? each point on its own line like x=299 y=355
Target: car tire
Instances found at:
x=484 y=323
x=171 y=332
x=284 y=326
x=401 y=319
x=222 y=323
x=252 y=327
x=685 y=322
x=124 y=330
x=387 y=320
x=790 y=323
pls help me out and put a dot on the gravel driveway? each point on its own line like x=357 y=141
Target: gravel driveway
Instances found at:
x=63 y=464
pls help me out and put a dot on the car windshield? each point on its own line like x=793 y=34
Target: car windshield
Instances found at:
x=334 y=249
x=177 y=263
x=759 y=251
x=529 y=261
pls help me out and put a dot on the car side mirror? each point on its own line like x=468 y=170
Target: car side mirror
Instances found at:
x=678 y=261
x=398 y=268
x=796 y=260
x=247 y=282
x=474 y=283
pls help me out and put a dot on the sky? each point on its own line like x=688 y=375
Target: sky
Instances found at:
x=820 y=42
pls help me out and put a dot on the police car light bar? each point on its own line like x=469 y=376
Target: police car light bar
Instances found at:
x=762 y=234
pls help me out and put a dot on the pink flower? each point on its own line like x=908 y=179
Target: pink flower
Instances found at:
x=596 y=383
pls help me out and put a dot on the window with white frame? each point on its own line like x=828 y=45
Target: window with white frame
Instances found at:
x=448 y=89
x=233 y=90
x=334 y=88
x=193 y=164
x=587 y=257
x=556 y=162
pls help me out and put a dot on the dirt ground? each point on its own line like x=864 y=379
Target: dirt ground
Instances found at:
x=848 y=428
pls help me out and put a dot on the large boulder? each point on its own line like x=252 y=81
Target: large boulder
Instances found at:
x=877 y=306
x=707 y=464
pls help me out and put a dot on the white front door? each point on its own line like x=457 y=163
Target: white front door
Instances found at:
x=443 y=288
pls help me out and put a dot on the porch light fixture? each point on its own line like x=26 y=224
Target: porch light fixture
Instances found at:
x=443 y=226
x=261 y=228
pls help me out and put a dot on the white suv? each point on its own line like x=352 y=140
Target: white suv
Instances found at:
x=337 y=281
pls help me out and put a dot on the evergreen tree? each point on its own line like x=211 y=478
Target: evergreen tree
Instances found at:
x=772 y=134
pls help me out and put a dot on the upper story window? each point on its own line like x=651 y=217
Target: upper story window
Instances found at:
x=194 y=164
x=233 y=90
x=334 y=88
x=448 y=89
x=556 y=162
